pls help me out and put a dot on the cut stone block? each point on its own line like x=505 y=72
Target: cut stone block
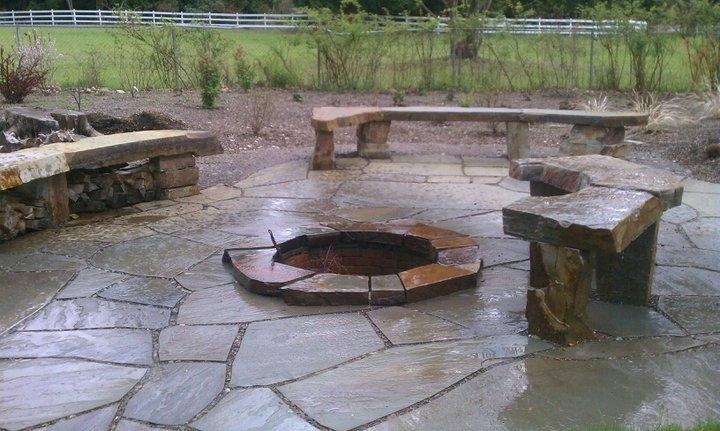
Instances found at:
x=258 y=273
x=169 y=179
x=386 y=290
x=433 y=280
x=372 y=140
x=518 y=145
x=324 y=155
x=172 y=163
x=328 y=289
x=586 y=139
x=178 y=192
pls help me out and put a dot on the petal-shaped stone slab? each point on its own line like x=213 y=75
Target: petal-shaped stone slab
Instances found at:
x=88 y=313
x=157 y=255
x=254 y=409
x=23 y=293
x=256 y=271
x=387 y=381
x=434 y=280
x=199 y=343
x=125 y=346
x=95 y=420
x=547 y=394
x=175 y=392
x=285 y=349
x=328 y=289
x=403 y=326
x=39 y=390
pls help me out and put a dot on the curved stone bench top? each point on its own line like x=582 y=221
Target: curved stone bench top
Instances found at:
x=594 y=218
x=574 y=173
x=22 y=166
x=331 y=118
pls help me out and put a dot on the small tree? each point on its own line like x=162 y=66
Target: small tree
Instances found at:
x=20 y=75
x=209 y=72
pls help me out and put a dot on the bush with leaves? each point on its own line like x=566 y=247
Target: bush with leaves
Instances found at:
x=209 y=75
x=244 y=72
x=20 y=75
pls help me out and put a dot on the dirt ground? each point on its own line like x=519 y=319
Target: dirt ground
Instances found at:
x=287 y=134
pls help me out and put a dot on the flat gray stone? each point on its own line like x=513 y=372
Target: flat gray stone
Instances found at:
x=208 y=273
x=150 y=291
x=104 y=232
x=157 y=255
x=285 y=349
x=546 y=394
x=34 y=391
x=496 y=306
x=449 y=179
x=380 y=167
x=201 y=343
x=208 y=236
x=685 y=256
x=679 y=214
x=704 y=232
x=291 y=171
x=125 y=346
x=697 y=186
x=707 y=205
x=233 y=304
x=375 y=214
x=488 y=225
x=696 y=314
x=674 y=280
x=403 y=326
x=88 y=313
x=128 y=425
x=425 y=158
x=175 y=392
x=249 y=410
x=88 y=282
x=628 y=320
x=459 y=196
x=515 y=185
x=95 y=420
x=49 y=262
x=74 y=248
x=390 y=380
x=485 y=171
x=439 y=214
x=23 y=293
x=495 y=251
x=672 y=235
x=617 y=348
x=295 y=189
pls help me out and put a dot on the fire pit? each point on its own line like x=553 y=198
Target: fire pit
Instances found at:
x=360 y=264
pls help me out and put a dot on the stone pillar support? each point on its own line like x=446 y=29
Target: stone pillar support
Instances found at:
x=372 y=140
x=54 y=191
x=324 y=155
x=518 y=144
x=175 y=176
x=557 y=311
x=627 y=277
x=586 y=139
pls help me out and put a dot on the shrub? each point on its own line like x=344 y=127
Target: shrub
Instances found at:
x=596 y=104
x=40 y=49
x=260 y=110
x=244 y=72
x=20 y=75
x=662 y=114
x=209 y=76
x=91 y=66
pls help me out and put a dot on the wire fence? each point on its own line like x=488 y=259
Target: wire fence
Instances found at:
x=96 y=18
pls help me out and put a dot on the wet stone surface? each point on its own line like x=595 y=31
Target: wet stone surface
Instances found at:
x=136 y=320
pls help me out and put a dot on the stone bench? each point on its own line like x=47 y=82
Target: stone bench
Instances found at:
x=43 y=174
x=592 y=221
x=592 y=132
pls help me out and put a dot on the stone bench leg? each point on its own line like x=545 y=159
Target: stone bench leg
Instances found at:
x=518 y=145
x=372 y=140
x=627 y=277
x=595 y=140
x=557 y=311
x=54 y=191
x=175 y=176
x=324 y=155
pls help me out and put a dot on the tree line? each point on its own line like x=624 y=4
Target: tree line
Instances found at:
x=508 y=8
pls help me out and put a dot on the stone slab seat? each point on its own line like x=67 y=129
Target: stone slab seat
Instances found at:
x=601 y=130
x=591 y=221
x=41 y=171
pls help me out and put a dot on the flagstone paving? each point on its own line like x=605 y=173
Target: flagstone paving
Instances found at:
x=135 y=324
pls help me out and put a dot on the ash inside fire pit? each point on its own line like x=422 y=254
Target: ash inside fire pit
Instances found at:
x=360 y=263
x=352 y=254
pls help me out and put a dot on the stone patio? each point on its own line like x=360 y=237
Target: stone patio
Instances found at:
x=135 y=323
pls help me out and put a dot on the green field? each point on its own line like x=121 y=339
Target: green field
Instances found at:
x=505 y=62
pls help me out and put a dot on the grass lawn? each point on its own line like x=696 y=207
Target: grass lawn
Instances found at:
x=505 y=62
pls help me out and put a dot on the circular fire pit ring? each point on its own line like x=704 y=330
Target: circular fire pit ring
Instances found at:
x=361 y=264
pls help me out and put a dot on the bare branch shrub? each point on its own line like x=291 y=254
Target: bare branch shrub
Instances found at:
x=261 y=108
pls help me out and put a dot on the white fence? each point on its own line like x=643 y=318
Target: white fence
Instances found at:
x=93 y=18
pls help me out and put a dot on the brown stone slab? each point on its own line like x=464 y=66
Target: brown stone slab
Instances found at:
x=386 y=290
x=257 y=272
x=460 y=256
x=20 y=167
x=450 y=243
x=435 y=280
x=328 y=289
x=431 y=232
x=178 y=192
x=330 y=118
x=576 y=172
x=595 y=218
